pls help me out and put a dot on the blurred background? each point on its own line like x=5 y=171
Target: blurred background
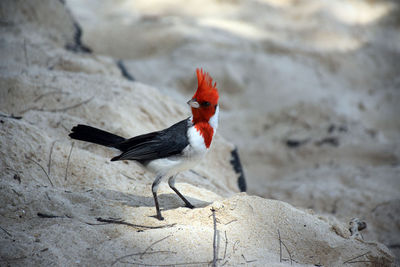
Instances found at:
x=310 y=90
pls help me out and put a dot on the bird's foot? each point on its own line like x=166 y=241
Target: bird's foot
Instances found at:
x=161 y=218
x=190 y=206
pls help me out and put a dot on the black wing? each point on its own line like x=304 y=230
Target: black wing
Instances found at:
x=155 y=145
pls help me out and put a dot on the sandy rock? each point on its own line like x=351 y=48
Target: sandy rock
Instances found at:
x=310 y=90
x=55 y=189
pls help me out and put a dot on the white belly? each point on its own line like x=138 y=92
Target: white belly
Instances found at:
x=190 y=157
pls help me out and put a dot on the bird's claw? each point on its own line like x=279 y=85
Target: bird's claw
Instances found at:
x=190 y=206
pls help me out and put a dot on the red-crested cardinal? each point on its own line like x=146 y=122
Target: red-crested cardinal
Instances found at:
x=172 y=150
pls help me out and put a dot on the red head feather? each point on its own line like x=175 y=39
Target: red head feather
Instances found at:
x=206 y=90
x=207 y=98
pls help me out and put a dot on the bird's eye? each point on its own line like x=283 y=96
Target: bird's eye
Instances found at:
x=205 y=104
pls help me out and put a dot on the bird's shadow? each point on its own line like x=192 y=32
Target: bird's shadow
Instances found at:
x=167 y=201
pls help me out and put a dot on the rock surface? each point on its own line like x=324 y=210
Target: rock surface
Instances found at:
x=310 y=90
x=53 y=190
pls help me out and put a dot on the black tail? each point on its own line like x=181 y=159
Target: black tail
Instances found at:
x=94 y=135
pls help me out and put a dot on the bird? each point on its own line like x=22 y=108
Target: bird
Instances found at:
x=172 y=150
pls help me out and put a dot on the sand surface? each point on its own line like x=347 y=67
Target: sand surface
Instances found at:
x=309 y=96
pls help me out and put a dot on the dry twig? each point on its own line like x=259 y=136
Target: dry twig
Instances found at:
x=280 y=249
x=51 y=153
x=139 y=253
x=5 y=231
x=26 y=54
x=114 y=221
x=280 y=246
x=360 y=261
x=235 y=220
x=89 y=223
x=247 y=261
x=128 y=177
x=48 y=216
x=57 y=109
x=69 y=157
x=56 y=92
x=214 y=262
x=10 y=116
x=225 y=263
x=234 y=246
x=162 y=239
x=15 y=192
x=48 y=177
x=226 y=244
x=167 y=265
x=352 y=259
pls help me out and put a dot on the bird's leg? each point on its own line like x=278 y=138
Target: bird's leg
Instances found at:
x=154 y=188
x=171 y=182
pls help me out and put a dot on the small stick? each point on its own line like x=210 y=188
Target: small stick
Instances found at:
x=162 y=239
x=10 y=116
x=69 y=157
x=198 y=174
x=359 y=261
x=349 y=261
x=281 y=242
x=50 y=216
x=57 y=109
x=48 y=177
x=88 y=223
x=5 y=231
x=135 y=254
x=65 y=128
x=247 y=260
x=71 y=107
x=290 y=255
x=235 y=220
x=51 y=153
x=18 y=194
x=112 y=221
x=167 y=265
x=125 y=73
x=50 y=93
x=226 y=244
x=130 y=178
x=280 y=246
x=26 y=54
x=214 y=263
x=225 y=263
x=234 y=246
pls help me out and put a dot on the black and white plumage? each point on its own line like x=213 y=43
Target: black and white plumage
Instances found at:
x=169 y=151
x=166 y=152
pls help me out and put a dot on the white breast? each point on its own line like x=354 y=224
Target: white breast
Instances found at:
x=191 y=155
x=214 y=120
x=196 y=142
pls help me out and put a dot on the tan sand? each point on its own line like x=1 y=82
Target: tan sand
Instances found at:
x=309 y=95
